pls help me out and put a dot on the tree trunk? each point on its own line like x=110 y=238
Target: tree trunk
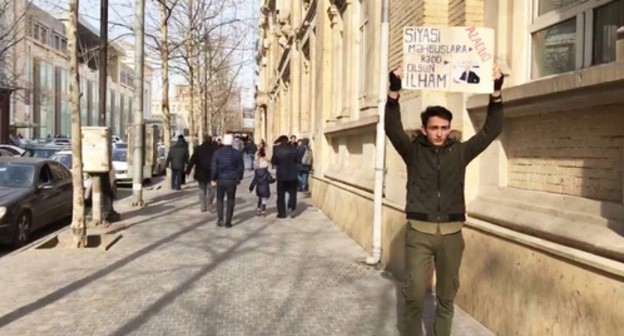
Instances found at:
x=164 y=57
x=78 y=226
x=138 y=121
x=191 y=58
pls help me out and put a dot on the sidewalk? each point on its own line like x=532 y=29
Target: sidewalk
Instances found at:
x=175 y=273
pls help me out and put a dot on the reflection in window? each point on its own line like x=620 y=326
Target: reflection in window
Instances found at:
x=120 y=155
x=546 y=6
x=16 y=175
x=554 y=49
x=607 y=19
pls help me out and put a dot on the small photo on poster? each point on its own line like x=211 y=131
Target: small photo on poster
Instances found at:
x=467 y=74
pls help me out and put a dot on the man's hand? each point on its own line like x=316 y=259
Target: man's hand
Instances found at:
x=498 y=81
x=213 y=183
x=395 y=82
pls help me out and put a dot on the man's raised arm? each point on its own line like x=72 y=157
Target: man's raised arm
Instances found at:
x=493 y=125
x=393 y=125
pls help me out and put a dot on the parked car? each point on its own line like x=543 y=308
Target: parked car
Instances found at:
x=41 y=151
x=59 y=142
x=33 y=193
x=120 y=164
x=14 y=150
x=120 y=144
x=64 y=157
x=6 y=153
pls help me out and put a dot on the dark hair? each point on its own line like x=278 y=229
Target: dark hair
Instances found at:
x=435 y=111
x=282 y=139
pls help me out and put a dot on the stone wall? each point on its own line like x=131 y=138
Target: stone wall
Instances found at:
x=573 y=152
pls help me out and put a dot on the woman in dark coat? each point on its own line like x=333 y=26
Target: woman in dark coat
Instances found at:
x=261 y=181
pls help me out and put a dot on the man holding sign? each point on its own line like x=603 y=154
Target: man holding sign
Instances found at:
x=435 y=208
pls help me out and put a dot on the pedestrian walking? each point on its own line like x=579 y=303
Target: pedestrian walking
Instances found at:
x=238 y=144
x=202 y=161
x=285 y=160
x=177 y=159
x=250 y=150
x=435 y=207
x=226 y=172
x=261 y=182
x=183 y=180
x=293 y=140
x=304 y=157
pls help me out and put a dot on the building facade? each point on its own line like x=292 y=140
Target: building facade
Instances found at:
x=40 y=65
x=545 y=235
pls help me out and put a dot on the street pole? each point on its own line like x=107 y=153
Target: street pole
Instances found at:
x=138 y=121
x=97 y=200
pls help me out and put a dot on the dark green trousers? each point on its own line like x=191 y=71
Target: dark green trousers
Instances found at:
x=420 y=249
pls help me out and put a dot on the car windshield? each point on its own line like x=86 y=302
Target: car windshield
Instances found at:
x=40 y=152
x=120 y=155
x=16 y=175
x=64 y=159
x=121 y=145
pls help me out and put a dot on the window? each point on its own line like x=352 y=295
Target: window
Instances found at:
x=554 y=49
x=568 y=35
x=43 y=35
x=63 y=44
x=607 y=19
x=545 y=6
x=35 y=31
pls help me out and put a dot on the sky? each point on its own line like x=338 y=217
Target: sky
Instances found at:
x=121 y=15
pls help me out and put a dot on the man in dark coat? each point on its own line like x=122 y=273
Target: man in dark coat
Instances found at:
x=226 y=172
x=202 y=160
x=305 y=163
x=435 y=206
x=249 y=151
x=285 y=159
x=178 y=157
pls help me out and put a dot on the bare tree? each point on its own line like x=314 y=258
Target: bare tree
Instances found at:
x=165 y=14
x=12 y=31
x=199 y=40
x=209 y=59
x=78 y=225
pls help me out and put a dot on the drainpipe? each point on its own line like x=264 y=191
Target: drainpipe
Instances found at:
x=380 y=143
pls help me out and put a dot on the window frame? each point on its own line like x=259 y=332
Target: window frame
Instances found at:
x=584 y=14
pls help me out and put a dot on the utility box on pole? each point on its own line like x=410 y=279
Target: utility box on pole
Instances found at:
x=149 y=149
x=96 y=147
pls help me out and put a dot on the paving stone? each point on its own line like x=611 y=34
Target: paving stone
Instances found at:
x=175 y=273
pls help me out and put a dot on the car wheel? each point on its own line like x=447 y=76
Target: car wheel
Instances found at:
x=22 y=229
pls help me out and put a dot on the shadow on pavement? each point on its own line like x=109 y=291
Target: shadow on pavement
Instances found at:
x=166 y=299
x=153 y=211
x=428 y=309
x=76 y=285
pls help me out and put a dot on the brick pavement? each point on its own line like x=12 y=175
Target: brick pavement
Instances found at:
x=175 y=273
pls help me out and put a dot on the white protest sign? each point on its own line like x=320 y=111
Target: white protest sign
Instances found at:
x=458 y=59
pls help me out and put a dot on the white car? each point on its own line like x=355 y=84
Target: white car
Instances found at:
x=65 y=158
x=14 y=150
x=120 y=164
x=60 y=142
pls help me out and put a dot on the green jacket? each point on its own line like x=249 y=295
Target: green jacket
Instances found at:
x=435 y=176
